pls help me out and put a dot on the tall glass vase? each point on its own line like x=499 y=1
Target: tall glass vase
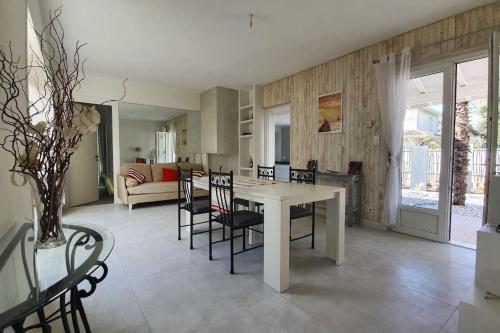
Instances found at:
x=47 y=196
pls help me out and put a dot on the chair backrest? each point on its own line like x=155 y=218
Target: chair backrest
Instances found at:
x=303 y=176
x=264 y=172
x=185 y=186
x=220 y=188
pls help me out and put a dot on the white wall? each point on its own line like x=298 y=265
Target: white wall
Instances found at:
x=228 y=162
x=105 y=88
x=14 y=201
x=96 y=89
x=137 y=133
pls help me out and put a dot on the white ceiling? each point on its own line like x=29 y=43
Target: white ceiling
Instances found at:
x=202 y=43
x=149 y=113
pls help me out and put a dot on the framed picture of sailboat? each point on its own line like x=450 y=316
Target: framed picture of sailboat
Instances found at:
x=330 y=113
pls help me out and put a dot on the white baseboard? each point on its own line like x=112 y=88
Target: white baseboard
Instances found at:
x=374 y=225
x=365 y=222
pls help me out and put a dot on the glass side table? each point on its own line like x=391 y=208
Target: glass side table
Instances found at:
x=31 y=279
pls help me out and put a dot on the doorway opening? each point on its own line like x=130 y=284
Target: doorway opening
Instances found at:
x=277 y=140
x=90 y=176
x=469 y=152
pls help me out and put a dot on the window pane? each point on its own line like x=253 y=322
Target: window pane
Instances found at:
x=421 y=157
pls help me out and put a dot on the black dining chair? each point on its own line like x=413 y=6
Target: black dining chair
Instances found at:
x=194 y=207
x=263 y=172
x=222 y=211
x=304 y=176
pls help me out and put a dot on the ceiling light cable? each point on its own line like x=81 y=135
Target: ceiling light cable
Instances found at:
x=250 y=25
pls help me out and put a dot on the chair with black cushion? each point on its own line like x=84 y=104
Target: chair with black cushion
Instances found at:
x=222 y=211
x=194 y=207
x=263 y=172
x=304 y=176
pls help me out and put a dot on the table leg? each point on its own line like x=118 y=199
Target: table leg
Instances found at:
x=276 y=244
x=335 y=228
x=254 y=237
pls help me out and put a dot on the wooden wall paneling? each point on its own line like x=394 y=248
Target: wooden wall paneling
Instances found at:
x=354 y=74
x=496 y=13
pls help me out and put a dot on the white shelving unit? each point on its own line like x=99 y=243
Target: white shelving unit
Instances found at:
x=251 y=130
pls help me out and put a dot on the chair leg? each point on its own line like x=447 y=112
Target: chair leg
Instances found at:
x=232 y=251
x=223 y=232
x=313 y=224
x=210 y=237
x=178 y=223
x=244 y=240
x=290 y=234
x=191 y=231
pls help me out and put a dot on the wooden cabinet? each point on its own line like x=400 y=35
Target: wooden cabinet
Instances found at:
x=219 y=121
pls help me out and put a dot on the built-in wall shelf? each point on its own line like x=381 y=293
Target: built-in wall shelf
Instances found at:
x=251 y=120
x=245 y=107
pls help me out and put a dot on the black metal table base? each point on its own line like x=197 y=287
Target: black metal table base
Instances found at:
x=73 y=307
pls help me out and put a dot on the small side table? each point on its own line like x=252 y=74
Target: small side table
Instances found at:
x=48 y=276
x=354 y=182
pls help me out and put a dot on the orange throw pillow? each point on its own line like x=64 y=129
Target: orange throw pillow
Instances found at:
x=169 y=175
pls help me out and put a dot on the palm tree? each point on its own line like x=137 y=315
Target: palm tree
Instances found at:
x=461 y=153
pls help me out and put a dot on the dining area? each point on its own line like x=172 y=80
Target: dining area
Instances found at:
x=261 y=212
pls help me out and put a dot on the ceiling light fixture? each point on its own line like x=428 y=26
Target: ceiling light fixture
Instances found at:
x=250 y=25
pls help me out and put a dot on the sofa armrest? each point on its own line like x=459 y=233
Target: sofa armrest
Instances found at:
x=122 y=188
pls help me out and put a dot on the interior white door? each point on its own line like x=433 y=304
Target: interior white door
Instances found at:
x=425 y=163
x=492 y=212
x=83 y=173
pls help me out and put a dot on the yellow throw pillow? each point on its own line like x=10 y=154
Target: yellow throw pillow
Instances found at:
x=131 y=182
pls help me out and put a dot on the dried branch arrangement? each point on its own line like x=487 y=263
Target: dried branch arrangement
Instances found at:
x=43 y=134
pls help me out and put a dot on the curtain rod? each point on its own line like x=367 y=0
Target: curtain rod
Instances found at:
x=376 y=61
x=493 y=28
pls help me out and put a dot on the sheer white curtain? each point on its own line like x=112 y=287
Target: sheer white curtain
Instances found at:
x=171 y=142
x=393 y=75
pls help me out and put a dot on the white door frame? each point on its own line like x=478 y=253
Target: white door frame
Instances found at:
x=448 y=67
x=274 y=116
x=115 y=125
x=492 y=128
x=443 y=212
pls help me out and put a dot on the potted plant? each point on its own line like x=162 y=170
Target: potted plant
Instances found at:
x=43 y=134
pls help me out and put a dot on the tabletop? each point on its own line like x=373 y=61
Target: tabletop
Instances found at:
x=259 y=190
x=30 y=278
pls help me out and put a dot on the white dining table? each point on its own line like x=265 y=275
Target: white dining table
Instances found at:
x=277 y=198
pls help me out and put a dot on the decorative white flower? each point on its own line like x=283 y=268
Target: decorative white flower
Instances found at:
x=82 y=129
x=84 y=119
x=29 y=159
x=92 y=129
x=70 y=133
x=39 y=128
x=76 y=121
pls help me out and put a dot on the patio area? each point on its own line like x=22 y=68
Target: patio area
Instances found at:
x=465 y=220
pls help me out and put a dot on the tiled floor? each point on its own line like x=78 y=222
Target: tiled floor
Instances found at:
x=390 y=282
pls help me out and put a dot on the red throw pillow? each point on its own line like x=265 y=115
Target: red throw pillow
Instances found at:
x=169 y=175
x=134 y=174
